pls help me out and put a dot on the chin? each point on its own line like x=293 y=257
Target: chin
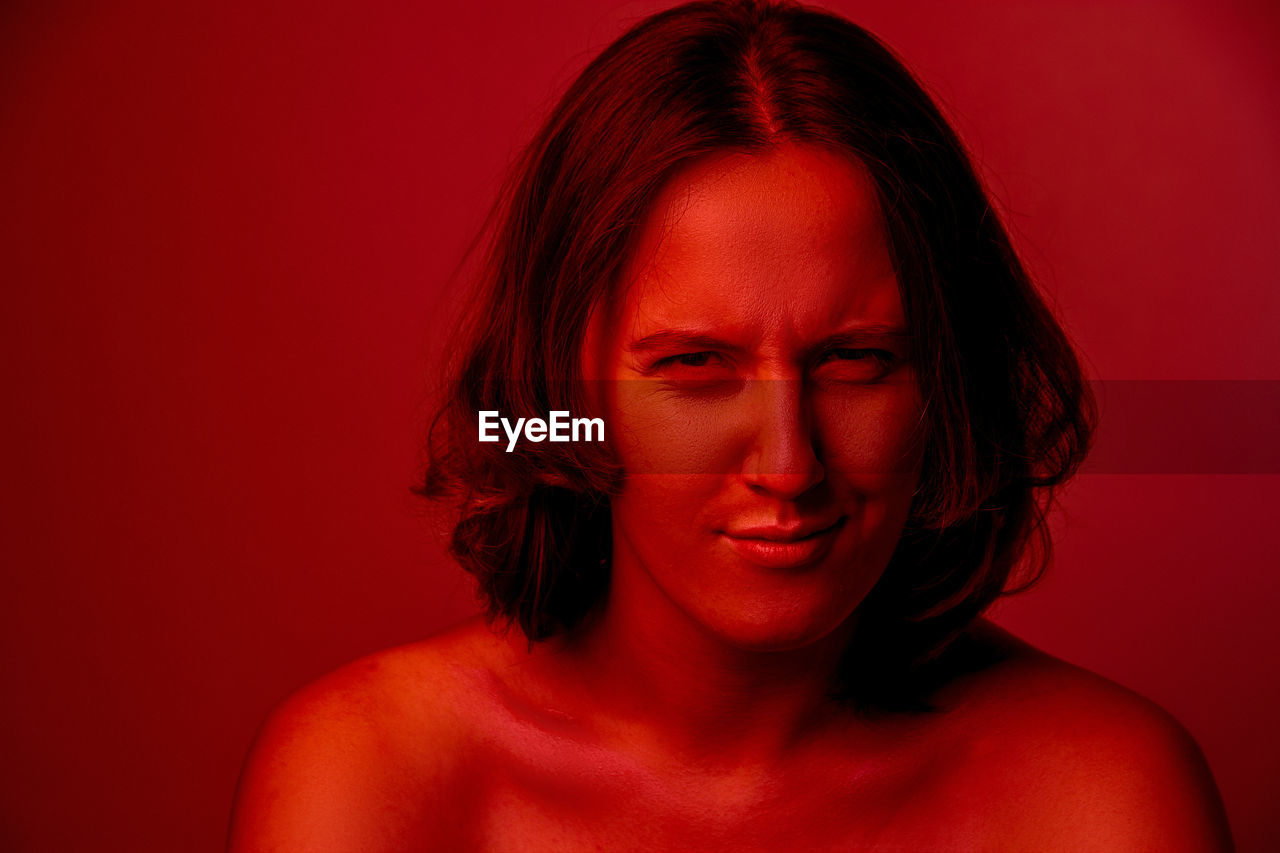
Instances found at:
x=766 y=627
x=786 y=612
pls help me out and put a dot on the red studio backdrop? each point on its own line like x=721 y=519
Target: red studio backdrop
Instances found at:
x=228 y=233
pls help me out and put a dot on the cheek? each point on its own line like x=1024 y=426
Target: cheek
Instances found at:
x=660 y=431
x=871 y=432
x=874 y=450
x=664 y=517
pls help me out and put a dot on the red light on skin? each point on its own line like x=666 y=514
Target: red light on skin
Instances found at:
x=777 y=548
x=762 y=401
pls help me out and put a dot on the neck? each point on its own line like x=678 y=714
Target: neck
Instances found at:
x=676 y=684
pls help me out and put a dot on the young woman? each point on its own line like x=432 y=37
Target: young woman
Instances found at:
x=834 y=410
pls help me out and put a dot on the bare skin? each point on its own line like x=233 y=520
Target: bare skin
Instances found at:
x=471 y=742
x=761 y=394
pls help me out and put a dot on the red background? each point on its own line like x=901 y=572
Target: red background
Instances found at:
x=227 y=229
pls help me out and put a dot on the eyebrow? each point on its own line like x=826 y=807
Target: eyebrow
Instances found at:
x=870 y=333
x=671 y=339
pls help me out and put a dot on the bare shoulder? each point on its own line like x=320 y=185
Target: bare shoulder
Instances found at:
x=1081 y=762
x=371 y=756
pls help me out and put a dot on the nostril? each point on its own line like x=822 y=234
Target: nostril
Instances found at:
x=787 y=485
x=785 y=469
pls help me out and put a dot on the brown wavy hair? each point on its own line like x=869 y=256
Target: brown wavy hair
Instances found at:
x=1008 y=412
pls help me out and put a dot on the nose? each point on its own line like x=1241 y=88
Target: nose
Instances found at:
x=783 y=460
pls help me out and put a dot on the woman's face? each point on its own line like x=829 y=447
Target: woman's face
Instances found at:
x=761 y=398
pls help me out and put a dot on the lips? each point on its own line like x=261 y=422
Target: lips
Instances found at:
x=784 y=547
x=784 y=533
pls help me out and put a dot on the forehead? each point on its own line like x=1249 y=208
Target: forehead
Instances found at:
x=787 y=241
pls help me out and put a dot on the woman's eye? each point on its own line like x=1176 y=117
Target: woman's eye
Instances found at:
x=847 y=363
x=706 y=374
x=690 y=359
x=847 y=354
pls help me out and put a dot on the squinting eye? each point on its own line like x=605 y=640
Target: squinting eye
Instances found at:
x=689 y=359
x=847 y=354
x=702 y=376
x=857 y=365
